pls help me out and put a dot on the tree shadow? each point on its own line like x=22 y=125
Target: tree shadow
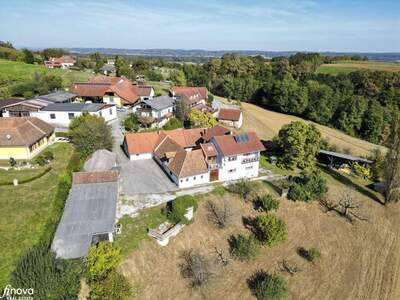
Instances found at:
x=346 y=181
x=256 y=279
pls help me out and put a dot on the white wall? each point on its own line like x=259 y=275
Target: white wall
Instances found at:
x=190 y=181
x=232 y=170
x=62 y=117
x=141 y=156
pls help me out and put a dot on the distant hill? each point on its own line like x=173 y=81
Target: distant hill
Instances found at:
x=219 y=53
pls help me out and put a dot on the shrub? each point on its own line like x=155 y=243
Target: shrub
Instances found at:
x=268 y=286
x=361 y=171
x=196 y=268
x=268 y=203
x=311 y=254
x=244 y=248
x=40 y=160
x=243 y=188
x=115 y=286
x=177 y=211
x=270 y=229
x=219 y=190
x=309 y=186
x=49 y=277
x=48 y=155
x=101 y=259
x=12 y=162
x=173 y=123
x=131 y=123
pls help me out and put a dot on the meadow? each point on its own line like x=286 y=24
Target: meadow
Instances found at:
x=350 y=66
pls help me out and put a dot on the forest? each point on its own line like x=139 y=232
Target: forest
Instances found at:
x=360 y=103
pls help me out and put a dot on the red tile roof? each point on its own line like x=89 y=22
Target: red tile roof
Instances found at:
x=188 y=163
x=23 y=131
x=209 y=149
x=229 y=145
x=215 y=131
x=94 y=177
x=190 y=95
x=229 y=114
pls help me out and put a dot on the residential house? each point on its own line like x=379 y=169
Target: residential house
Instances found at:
x=23 y=138
x=26 y=108
x=231 y=117
x=63 y=62
x=189 y=160
x=113 y=90
x=238 y=155
x=193 y=97
x=157 y=110
x=61 y=114
x=108 y=69
x=89 y=214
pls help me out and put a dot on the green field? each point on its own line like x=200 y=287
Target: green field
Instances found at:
x=160 y=87
x=25 y=209
x=12 y=72
x=350 y=66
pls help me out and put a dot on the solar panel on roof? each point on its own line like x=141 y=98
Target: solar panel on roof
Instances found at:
x=242 y=138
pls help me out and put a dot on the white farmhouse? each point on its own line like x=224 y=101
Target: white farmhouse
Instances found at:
x=197 y=156
x=61 y=114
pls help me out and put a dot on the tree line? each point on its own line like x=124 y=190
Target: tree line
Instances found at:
x=359 y=103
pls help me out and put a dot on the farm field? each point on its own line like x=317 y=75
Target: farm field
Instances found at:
x=25 y=209
x=12 y=72
x=358 y=261
x=350 y=66
x=267 y=124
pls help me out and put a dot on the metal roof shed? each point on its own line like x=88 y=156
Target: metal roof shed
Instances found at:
x=90 y=210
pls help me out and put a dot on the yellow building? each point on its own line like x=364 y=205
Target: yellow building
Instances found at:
x=23 y=138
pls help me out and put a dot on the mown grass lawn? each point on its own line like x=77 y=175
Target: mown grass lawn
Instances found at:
x=21 y=175
x=25 y=210
x=12 y=72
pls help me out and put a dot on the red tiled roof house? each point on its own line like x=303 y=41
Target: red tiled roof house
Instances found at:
x=231 y=117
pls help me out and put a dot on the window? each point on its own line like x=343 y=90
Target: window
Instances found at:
x=181 y=180
x=201 y=176
x=110 y=111
x=194 y=178
x=187 y=179
x=71 y=116
x=232 y=171
x=249 y=168
x=100 y=114
x=52 y=116
x=232 y=158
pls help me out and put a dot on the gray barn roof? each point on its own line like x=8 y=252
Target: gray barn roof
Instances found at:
x=90 y=209
x=346 y=156
x=101 y=160
x=74 y=107
x=161 y=102
x=58 y=97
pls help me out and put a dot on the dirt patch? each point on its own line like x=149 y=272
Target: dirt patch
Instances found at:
x=359 y=261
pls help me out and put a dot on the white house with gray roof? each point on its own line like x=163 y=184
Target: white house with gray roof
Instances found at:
x=61 y=114
x=159 y=109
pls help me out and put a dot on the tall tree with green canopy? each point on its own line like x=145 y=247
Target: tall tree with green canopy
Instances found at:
x=198 y=118
x=90 y=133
x=299 y=144
x=392 y=164
x=320 y=102
x=177 y=77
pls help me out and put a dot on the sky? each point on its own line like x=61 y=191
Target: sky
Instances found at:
x=281 y=25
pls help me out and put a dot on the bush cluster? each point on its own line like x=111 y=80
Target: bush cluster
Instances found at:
x=267 y=202
x=177 y=209
x=244 y=248
x=270 y=229
x=309 y=186
x=268 y=286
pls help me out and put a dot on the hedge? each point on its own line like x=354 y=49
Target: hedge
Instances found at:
x=44 y=172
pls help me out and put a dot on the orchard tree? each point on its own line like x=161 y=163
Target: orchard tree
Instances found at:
x=299 y=144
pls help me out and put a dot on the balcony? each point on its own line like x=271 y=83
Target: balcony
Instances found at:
x=249 y=160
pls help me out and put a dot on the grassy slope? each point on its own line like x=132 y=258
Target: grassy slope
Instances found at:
x=350 y=66
x=12 y=72
x=25 y=209
x=267 y=124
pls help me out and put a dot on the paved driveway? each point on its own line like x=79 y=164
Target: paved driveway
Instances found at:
x=144 y=177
